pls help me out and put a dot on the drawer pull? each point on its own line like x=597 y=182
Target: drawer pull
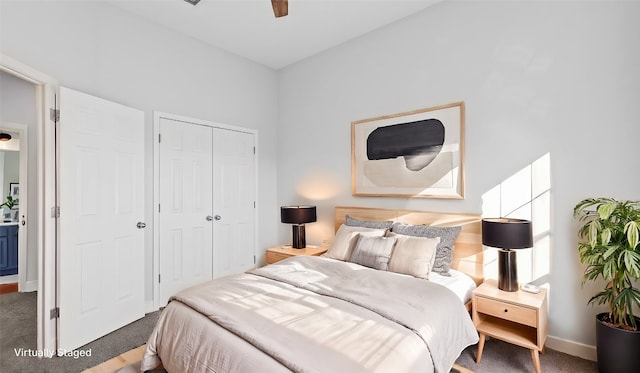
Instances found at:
x=506 y=310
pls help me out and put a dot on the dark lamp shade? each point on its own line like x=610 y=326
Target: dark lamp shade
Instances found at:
x=298 y=214
x=505 y=233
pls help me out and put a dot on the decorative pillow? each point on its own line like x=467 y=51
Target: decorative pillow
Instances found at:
x=346 y=239
x=354 y=222
x=444 y=250
x=413 y=255
x=373 y=252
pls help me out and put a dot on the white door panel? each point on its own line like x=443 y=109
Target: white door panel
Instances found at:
x=233 y=201
x=185 y=202
x=101 y=197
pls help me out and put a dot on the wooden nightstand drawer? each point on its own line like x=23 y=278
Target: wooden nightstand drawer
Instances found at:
x=507 y=311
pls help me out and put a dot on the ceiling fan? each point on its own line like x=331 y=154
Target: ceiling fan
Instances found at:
x=280 y=7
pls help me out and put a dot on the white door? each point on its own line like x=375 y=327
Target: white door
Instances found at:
x=185 y=190
x=233 y=201
x=101 y=199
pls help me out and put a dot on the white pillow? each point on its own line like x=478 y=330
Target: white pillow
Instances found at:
x=346 y=239
x=413 y=255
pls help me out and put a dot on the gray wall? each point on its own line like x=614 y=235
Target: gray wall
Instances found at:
x=100 y=50
x=11 y=171
x=541 y=80
x=18 y=105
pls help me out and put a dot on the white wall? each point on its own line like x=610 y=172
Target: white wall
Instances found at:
x=102 y=51
x=541 y=79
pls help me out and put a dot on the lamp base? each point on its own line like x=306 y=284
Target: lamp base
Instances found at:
x=507 y=270
x=299 y=237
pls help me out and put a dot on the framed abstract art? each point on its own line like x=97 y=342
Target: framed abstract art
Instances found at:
x=413 y=154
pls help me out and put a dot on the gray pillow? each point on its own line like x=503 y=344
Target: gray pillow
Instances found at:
x=444 y=250
x=373 y=252
x=354 y=222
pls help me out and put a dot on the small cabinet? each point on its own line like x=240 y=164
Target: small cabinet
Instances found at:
x=8 y=250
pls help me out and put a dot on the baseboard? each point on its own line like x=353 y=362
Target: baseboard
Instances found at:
x=30 y=286
x=566 y=346
x=149 y=307
x=8 y=279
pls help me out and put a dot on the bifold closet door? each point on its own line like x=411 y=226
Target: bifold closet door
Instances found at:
x=185 y=210
x=234 y=190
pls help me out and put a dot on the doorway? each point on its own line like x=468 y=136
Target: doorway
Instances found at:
x=20 y=259
x=41 y=189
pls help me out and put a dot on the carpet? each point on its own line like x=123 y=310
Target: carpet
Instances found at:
x=18 y=330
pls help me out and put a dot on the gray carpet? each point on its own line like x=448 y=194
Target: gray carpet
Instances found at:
x=18 y=329
x=499 y=357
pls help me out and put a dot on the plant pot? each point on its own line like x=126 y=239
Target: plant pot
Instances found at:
x=617 y=349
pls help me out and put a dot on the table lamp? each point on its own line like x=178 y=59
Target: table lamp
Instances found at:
x=507 y=234
x=298 y=216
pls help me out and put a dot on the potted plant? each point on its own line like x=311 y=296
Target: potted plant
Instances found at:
x=609 y=236
x=8 y=203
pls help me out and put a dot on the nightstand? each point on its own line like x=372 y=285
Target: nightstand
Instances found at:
x=276 y=254
x=516 y=317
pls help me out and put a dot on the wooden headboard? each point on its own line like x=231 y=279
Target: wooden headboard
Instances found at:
x=467 y=253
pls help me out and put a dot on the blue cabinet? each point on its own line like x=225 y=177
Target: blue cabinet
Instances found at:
x=8 y=250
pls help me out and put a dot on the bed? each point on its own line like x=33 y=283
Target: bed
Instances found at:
x=346 y=311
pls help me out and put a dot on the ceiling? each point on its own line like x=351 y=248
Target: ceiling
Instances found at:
x=248 y=28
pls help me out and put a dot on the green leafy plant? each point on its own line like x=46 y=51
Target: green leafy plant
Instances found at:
x=609 y=234
x=9 y=203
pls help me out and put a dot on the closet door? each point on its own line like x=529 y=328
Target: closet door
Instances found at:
x=233 y=201
x=185 y=209
x=206 y=202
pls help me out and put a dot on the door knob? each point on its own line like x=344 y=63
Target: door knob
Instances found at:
x=217 y=217
x=209 y=217
x=141 y=225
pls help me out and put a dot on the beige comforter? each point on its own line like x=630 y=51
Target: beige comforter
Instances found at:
x=313 y=314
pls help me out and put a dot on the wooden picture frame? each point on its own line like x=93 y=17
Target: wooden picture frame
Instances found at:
x=413 y=154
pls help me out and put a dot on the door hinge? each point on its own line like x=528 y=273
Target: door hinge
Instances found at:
x=158 y=207
x=158 y=278
x=159 y=138
x=254 y=259
x=54 y=313
x=254 y=150
x=254 y=204
x=55 y=212
x=54 y=115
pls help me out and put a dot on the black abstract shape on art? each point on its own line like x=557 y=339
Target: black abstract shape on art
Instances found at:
x=418 y=142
